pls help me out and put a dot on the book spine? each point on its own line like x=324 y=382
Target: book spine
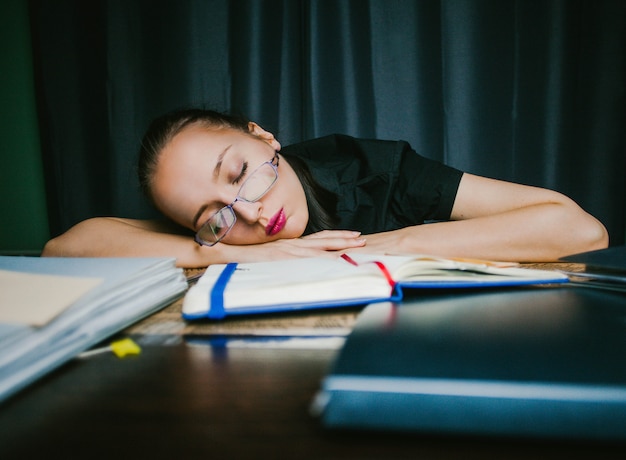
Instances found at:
x=216 y=299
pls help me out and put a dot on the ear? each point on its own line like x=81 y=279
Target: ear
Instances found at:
x=259 y=132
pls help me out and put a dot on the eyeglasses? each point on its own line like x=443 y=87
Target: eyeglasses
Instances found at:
x=258 y=183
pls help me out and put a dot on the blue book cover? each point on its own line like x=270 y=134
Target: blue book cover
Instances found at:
x=533 y=362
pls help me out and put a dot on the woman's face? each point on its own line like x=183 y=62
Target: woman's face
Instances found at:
x=201 y=170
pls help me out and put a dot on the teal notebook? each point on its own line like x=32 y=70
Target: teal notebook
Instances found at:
x=613 y=258
x=529 y=362
x=604 y=268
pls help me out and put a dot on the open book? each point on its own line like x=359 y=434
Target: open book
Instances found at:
x=265 y=287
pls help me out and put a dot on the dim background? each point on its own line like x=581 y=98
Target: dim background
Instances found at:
x=527 y=91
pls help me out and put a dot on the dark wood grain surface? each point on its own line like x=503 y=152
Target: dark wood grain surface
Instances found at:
x=187 y=399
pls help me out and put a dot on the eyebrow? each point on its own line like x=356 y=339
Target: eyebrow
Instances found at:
x=216 y=173
x=220 y=160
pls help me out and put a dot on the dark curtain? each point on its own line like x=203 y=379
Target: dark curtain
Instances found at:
x=528 y=91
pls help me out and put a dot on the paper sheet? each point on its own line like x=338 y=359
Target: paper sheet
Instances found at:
x=34 y=299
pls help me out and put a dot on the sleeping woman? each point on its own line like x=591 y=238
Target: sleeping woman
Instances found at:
x=231 y=193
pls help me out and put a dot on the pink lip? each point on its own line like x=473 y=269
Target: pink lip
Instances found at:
x=276 y=223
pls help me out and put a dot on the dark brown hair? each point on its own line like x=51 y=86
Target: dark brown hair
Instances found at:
x=163 y=129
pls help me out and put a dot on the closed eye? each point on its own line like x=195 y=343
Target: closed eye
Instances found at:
x=244 y=170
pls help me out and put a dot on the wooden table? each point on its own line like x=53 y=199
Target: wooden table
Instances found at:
x=190 y=394
x=192 y=400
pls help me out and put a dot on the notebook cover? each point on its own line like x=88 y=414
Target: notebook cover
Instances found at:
x=613 y=258
x=544 y=362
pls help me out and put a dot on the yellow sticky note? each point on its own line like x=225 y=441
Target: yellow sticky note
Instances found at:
x=125 y=347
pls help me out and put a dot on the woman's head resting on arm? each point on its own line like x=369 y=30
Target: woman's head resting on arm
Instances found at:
x=193 y=163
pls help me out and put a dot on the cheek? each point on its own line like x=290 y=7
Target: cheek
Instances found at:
x=299 y=211
x=175 y=207
x=179 y=196
x=296 y=224
x=242 y=234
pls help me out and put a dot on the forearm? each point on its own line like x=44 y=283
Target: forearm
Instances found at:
x=542 y=232
x=112 y=237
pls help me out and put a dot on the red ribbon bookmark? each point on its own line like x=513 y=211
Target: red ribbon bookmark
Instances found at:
x=380 y=265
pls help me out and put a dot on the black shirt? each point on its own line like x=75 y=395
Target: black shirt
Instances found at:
x=381 y=185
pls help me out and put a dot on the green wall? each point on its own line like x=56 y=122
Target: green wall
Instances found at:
x=23 y=216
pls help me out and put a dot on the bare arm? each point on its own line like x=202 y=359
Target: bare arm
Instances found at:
x=115 y=237
x=499 y=220
x=490 y=219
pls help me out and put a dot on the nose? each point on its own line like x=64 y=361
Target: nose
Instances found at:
x=248 y=212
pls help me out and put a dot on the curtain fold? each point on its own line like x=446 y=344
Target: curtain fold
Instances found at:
x=529 y=91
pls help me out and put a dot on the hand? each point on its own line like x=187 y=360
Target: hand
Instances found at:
x=390 y=242
x=327 y=243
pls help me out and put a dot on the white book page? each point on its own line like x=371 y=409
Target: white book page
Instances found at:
x=289 y=282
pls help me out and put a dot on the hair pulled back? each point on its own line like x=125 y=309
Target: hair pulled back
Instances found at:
x=320 y=202
x=163 y=129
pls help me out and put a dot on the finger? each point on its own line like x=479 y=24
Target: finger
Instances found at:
x=332 y=244
x=333 y=234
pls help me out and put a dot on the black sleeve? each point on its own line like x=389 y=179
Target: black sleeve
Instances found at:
x=425 y=190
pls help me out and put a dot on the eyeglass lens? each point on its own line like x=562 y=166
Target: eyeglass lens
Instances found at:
x=254 y=187
x=258 y=183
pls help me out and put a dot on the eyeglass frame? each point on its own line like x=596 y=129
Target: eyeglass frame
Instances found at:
x=202 y=241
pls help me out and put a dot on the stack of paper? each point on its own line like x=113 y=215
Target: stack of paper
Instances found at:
x=51 y=309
